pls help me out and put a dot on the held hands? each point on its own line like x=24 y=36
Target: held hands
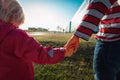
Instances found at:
x=71 y=46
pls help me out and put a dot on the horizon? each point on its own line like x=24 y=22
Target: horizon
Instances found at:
x=49 y=14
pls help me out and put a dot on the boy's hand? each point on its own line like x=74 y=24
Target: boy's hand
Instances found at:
x=69 y=51
x=72 y=43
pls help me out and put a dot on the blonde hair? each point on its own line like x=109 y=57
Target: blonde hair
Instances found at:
x=11 y=12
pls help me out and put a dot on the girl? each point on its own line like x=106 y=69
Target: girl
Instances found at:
x=17 y=49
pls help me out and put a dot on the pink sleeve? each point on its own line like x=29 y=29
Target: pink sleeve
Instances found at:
x=29 y=49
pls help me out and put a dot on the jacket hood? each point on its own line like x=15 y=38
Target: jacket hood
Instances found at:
x=5 y=28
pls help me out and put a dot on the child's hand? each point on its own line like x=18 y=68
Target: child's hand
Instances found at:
x=69 y=51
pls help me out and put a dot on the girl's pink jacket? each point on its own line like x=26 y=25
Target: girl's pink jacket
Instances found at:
x=18 y=51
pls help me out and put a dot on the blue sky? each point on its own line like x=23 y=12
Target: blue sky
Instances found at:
x=49 y=13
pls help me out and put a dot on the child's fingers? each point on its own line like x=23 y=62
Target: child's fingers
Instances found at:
x=69 y=51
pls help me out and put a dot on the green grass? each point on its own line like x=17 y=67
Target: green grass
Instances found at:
x=76 y=67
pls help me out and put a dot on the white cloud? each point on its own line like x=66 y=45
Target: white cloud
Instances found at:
x=77 y=18
x=43 y=16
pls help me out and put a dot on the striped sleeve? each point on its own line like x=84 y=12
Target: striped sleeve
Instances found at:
x=95 y=12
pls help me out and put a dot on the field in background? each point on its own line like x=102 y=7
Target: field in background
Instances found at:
x=76 y=67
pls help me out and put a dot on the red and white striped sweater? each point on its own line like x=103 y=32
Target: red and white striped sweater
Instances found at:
x=106 y=13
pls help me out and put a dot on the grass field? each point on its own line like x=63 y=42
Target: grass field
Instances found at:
x=76 y=67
